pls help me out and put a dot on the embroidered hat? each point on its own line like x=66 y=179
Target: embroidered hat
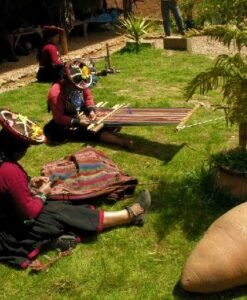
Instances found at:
x=79 y=74
x=21 y=127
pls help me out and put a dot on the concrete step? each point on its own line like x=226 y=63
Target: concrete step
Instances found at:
x=177 y=43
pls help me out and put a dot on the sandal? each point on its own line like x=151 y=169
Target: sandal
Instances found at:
x=144 y=200
x=63 y=243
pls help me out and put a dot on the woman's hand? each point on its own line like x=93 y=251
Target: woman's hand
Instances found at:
x=38 y=181
x=45 y=188
x=92 y=115
x=40 y=184
x=84 y=122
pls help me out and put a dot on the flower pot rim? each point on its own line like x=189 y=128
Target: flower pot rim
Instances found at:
x=231 y=171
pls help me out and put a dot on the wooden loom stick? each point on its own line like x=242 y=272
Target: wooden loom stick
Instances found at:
x=101 y=104
x=108 y=56
x=99 y=124
x=186 y=118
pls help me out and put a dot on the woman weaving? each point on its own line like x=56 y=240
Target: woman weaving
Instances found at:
x=68 y=99
x=28 y=219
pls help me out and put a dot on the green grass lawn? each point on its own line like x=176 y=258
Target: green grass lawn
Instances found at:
x=130 y=262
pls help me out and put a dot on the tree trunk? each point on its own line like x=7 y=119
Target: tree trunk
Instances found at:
x=127 y=8
x=243 y=136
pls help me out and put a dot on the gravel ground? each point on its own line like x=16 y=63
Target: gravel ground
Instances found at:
x=207 y=46
x=17 y=74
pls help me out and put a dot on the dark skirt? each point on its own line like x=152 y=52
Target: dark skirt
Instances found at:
x=50 y=73
x=22 y=242
x=58 y=133
x=62 y=217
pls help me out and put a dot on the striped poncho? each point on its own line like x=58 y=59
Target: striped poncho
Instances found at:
x=88 y=174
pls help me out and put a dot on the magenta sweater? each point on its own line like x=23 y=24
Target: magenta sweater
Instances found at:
x=57 y=101
x=14 y=187
x=50 y=56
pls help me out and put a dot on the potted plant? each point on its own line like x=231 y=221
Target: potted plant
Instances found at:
x=230 y=74
x=134 y=28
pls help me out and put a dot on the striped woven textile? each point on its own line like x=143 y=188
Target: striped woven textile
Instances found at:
x=128 y=116
x=88 y=174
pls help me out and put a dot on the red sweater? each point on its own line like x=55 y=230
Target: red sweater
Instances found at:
x=14 y=187
x=57 y=102
x=49 y=56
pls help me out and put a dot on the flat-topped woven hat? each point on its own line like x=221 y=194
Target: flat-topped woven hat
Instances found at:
x=21 y=127
x=79 y=73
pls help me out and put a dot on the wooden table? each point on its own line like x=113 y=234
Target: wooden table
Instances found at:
x=24 y=31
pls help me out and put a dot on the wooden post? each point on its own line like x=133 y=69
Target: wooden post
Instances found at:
x=127 y=8
x=108 y=56
x=243 y=136
x=64 y=43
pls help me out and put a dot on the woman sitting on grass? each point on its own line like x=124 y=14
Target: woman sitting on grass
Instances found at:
x=29 y=220
x=50 y=62
x=68 y=99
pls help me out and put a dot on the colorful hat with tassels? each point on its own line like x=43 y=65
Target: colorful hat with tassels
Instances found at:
x=21 y=127
x=79 y=74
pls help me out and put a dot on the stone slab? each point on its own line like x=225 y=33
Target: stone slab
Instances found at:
x=177 y=43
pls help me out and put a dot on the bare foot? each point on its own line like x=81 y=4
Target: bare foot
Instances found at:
x=128 y=144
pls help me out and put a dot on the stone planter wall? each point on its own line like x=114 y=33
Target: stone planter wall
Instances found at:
x=231 y=182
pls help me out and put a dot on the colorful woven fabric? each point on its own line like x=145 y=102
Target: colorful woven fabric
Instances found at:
x=88 y=174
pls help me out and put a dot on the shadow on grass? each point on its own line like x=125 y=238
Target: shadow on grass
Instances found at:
x=180 y=294
x=193 y=203
x=163 y=152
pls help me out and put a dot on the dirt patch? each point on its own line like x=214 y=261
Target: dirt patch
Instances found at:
x=17 y=74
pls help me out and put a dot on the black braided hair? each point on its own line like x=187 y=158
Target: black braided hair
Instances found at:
x=2 y=157
x=10 y=146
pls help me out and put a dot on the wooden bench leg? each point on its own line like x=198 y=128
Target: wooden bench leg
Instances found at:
x=85 y=25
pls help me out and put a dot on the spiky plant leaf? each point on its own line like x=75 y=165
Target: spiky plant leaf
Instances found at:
x=134 y=28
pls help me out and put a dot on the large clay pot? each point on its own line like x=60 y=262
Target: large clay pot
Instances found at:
x=218 y=261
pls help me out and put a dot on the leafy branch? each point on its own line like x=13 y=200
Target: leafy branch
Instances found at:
x=229 y=74
x=227 y=34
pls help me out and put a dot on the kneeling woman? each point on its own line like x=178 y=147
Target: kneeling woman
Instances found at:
x=68 y=99
x=50 y=62
x=28 y=220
